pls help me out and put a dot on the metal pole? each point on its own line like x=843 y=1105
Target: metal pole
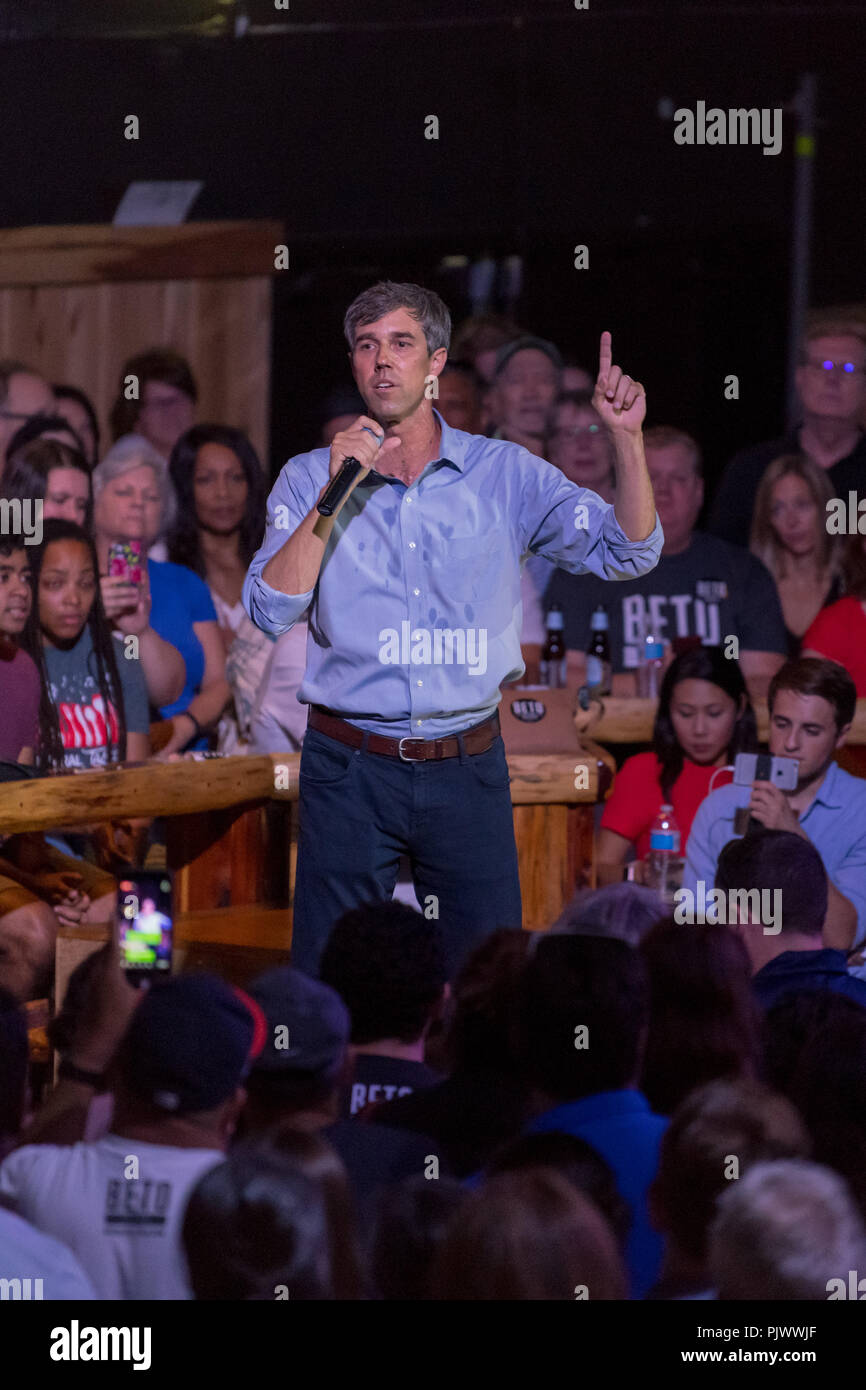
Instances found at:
x=805 y=103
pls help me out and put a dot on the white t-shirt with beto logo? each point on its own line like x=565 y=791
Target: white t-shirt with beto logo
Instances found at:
x=118 y=1204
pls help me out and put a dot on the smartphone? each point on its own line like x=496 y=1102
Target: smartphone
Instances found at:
x=762 y=767
x=124 y=561
x=145 y=924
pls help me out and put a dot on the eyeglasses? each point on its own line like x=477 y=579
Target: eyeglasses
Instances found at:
x=849 y=368
x=575 y=431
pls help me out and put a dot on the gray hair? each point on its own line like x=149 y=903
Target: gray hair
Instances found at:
x=785 y=1230
x=130 y=452
x=624 y=911
x=386 y=296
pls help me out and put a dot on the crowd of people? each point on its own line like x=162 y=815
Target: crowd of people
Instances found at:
x=627 y=1106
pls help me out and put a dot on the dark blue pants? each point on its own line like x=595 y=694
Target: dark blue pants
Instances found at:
x=360 y=811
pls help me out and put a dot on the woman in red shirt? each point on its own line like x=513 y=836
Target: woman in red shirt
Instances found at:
x=839 y=632
x=704 y=719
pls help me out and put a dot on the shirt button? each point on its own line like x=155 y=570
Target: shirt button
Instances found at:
x=416 y=592
x=419 y=682
x=418 y=723
x=408 y=500
x=411 y=545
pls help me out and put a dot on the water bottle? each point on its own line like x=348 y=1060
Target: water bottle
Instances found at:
x=664 y=846
x=649 y=675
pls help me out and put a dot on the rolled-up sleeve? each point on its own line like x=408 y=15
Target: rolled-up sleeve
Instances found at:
x=578 y=531
x=292 y=498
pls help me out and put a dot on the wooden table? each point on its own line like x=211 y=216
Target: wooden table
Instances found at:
x=231 y=836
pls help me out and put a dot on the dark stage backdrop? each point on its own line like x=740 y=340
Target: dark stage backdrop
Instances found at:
x=549 y=136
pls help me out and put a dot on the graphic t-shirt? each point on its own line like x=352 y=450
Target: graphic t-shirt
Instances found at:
x=377 y=1079
x=87 y=727
x=118 y=1204
x=712 y=590
x=637 y=797
x=19 y=700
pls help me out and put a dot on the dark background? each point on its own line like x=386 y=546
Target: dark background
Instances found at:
x=549 y=136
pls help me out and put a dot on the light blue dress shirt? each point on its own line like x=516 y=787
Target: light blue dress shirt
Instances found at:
x=835 y=823
x=441 y=556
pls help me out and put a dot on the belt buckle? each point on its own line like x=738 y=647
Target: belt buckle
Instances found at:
x=403 y=756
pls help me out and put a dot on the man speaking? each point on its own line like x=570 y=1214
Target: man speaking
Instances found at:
x=413 y=591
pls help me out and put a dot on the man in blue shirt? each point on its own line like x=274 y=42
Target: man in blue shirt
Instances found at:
x=413 y=592
x=787 y=958
x=582 y=1017
x=811 y=703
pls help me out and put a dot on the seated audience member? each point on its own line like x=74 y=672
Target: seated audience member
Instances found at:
x=725 y=1120
x=582 y=1021
x=702 y=587
x=78 y=411
x=278 y=720
x=178 y=1089
x=815 y=1054
x=839 y=632
x=575 y=377
x=412 y=1218
x=299 y=1078
x=24 y=392
x=256 y=1228
x=525 y=385
x=577 y=1162
x=578 y=443
x=479 y=338
x=387 y=964
x=93 y=707
x=28 y=1259
x=460 y=395
x=788 y=1231
x=19 y=728
x=704 y=1024
x=49 y=469
x=340 y=409
x=789 y=535
x=482 y=1102
x=131 y=501
x=220 y=490
x=528 y=1235
x=811 y=705
x=164 y=407
x=625 y=911
x=770 y=870
x=704 y=719
x=831 y=384
x=320 y=1162
x=54 y=472
x=51 y=426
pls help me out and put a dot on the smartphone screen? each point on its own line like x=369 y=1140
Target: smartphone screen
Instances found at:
x=124 y=561
x=145 y=923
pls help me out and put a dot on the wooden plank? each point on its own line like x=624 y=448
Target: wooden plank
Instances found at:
x=79 y=255
x=186 y=788
x=267 y=928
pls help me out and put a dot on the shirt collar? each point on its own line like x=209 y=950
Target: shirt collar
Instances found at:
x=603 y=1105
x=452 y=445
x=830 y=791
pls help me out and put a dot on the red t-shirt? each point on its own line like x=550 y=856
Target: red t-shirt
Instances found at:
x=839 y=632
x=637 y=797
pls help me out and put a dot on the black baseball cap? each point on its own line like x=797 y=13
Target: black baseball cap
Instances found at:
x=308 y=1026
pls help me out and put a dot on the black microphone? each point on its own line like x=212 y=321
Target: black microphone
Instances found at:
x=339 y=487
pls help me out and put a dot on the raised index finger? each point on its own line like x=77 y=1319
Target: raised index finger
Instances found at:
x=605 y=355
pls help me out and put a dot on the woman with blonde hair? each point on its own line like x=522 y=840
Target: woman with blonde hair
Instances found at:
x=789 y=534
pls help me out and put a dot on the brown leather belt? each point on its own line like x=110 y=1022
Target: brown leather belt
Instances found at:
x=410 y=750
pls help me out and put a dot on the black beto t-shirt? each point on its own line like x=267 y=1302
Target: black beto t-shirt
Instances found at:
x=377 y=1079
x=712 y=590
